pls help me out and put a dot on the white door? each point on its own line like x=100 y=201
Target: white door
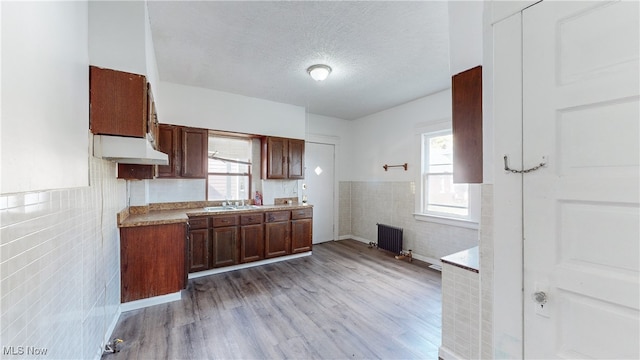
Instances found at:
x=581 y=220
x=319 y=179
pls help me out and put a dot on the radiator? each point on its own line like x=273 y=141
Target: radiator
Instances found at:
x=390 y=238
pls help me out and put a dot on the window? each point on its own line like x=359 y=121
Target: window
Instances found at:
x=440 y=196
x=229 y=174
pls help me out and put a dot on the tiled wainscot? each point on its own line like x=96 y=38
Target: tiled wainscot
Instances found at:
x=460 y=306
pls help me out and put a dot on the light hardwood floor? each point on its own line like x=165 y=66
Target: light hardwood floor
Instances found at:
x=344 y=301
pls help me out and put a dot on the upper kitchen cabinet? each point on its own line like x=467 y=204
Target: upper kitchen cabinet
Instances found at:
x=169 y=143
x=194 y=152
x=466 y=88
x=187 y=149
x=118 y=103
x=282 y=158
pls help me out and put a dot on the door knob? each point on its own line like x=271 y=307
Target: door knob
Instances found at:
x=540 y=297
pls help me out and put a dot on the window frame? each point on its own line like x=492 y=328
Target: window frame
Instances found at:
x=249 y=164
x=471 y=221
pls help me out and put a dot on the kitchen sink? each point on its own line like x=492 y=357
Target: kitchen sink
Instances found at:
x=230 y=208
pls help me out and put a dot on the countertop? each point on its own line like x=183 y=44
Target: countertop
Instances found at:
x=466 y=259
x=172 y=216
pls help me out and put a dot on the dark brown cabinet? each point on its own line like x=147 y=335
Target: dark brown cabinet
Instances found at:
x=251 y=237
x=225 y=240
x=466 y=89
x=194 y=152
x=301 y=230
x=282 y=158
x=152 y=260
x=117 y=103
x=199 y=245
x=135 y=172
x=213 y=242
x=277 y=240
x=169 y=143
x=187 y=149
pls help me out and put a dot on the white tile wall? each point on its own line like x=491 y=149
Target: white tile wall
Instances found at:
x=363 y=204
x=460 y=312
x=60 y=266
x=486 y=275
x=172 y=190
x=344 y=207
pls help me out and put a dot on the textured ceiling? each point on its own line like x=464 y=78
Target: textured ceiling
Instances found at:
x=382 y=53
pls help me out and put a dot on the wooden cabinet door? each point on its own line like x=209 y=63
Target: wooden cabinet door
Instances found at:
x=169 y=143
x=152 y=260
x=274 y=158
x=224 y=246
x=276 y=240
x=117 y=103
x=301 y=235
x=251 y=243
x=199 y=250
x=296 y=159
x=135 y=172
x=194 y=152
x=466 y=89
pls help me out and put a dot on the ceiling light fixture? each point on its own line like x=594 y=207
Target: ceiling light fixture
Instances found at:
x=319 y=72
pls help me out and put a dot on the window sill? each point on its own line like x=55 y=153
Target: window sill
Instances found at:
x=469 y=224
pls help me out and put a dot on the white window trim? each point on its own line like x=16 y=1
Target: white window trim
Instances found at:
x=473 y=219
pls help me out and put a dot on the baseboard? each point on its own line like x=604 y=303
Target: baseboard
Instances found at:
x=426 y=259
x=156 y=300
x=198 y=274
x=446 y=354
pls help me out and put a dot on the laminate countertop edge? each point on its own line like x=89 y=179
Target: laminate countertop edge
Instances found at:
x=163 y=217
x=465 y=259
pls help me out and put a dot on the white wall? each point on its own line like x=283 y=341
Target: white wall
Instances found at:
x=45 y=83
x=465 y=35
x=210 y=109
x=117 y=33
x=388 y=137
x=59 y=249
x=120 y=35
x=369 y=194
x=334 y=129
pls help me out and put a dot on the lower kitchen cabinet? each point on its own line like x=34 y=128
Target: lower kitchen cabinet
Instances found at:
x=277 y=240
x=251 y=238
x=301 y=235
x=224 y=242
x=301 y=230
x=152 y=260
x=199 y=250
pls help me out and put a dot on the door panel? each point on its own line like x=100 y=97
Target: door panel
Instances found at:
x=320 y=181
x=581 y=211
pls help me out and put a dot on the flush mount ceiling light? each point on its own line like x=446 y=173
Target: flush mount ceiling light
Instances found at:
x=319 y=72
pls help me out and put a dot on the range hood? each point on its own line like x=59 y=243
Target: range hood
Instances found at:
x=127 y=150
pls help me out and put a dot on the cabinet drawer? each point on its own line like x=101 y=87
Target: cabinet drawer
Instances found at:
x=275 y=216
x=198 y=223
x=302 y=213
x=219 y=221
x=251 y=219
